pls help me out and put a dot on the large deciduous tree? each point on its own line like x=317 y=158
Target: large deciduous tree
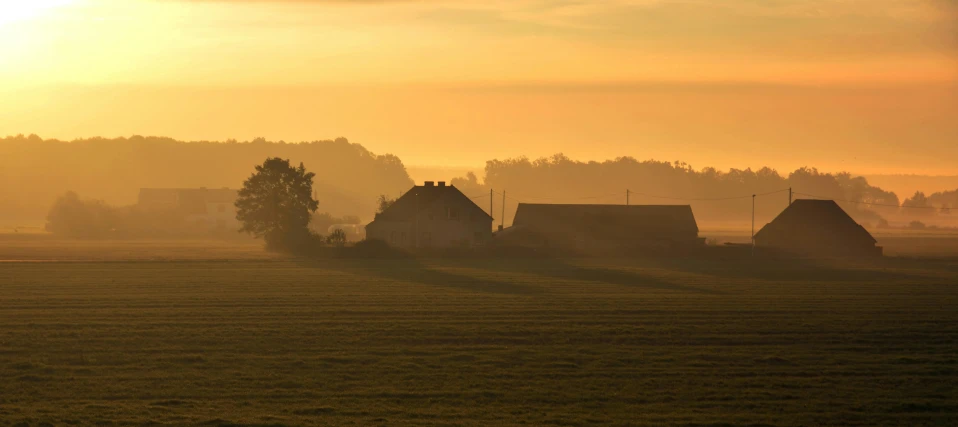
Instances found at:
x=276 y=203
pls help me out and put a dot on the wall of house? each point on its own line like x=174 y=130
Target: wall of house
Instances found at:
x=816 y=243
x=453 y=224
x=396 y=233
x=443 y=225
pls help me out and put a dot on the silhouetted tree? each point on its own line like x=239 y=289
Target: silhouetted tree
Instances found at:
x=916 y=200
x=944 y=199
x=384 y=203
x=276 y=203
x=918 y=204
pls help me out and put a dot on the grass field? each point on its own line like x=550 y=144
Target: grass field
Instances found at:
x=187 y=334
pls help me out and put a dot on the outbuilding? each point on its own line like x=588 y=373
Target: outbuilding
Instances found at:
x=817 y=228
x=602 y=228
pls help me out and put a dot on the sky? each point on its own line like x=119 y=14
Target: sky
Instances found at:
x=869 y=86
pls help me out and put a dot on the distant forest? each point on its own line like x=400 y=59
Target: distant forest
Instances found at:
x=349 y=179
x=715 y=196
x=34 y=172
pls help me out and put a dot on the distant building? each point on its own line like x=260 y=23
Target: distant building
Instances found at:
x=212 y=207
x=602 y=227
x=432 y=215
x=817 y=227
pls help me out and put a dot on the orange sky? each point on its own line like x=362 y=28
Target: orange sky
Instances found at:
x=864 y=85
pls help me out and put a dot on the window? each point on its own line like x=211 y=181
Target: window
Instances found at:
x=452 y=213
x=392 y=236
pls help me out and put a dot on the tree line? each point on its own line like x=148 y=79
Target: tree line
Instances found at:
x=348 y=179
x=35 y=171
x=713 y=194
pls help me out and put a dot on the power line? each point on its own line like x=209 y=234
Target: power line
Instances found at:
x=518 y=198
x=867 y=203
x=705 y=199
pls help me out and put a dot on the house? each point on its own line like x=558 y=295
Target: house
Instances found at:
x=817 y=227
x=211 y=207
x=432 y=215
x=602 y=227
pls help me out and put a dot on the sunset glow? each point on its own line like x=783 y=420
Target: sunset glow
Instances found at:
x=646 y=67
x=23 y=10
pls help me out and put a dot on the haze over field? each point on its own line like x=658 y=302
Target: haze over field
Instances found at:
x=866 y=85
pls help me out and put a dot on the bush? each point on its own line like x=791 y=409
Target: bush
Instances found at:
x=337 y=238
x=72 y=217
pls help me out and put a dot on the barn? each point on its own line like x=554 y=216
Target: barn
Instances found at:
x=602 y=228
x=819 y=228
x=432 y=216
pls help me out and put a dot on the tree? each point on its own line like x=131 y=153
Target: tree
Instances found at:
x=337 y=238
x=918 y=200
x=73 y=217
x=276 y=203
x=384 y=203
x=920 y=203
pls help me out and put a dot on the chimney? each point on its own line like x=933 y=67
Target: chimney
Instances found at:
x=442 y=183
x=429 y=183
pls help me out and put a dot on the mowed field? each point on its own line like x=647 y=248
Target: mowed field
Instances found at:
x=195 y=333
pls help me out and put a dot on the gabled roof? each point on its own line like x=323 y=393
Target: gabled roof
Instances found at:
x=421 y=197
x=627 y=221
x=805 y=219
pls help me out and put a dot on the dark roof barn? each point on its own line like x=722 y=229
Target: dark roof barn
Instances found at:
x=614 y=227
x=816 y=227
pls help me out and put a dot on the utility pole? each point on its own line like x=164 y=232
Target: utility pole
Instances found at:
x=416 y=236
x=626 y=196
x=490 y=203
x=502 y=224
x=753 y=225
x=789 y=196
